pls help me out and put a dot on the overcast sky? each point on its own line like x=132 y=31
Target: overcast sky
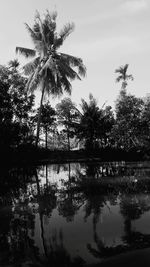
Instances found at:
x=108 y=34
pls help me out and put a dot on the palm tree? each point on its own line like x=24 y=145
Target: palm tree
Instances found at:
x=123 y=76
x=51 y=70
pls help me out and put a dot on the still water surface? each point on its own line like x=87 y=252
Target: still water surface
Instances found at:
x=48 y=217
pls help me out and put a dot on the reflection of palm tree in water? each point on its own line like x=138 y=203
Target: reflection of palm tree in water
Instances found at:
x=94 y=205
x=131 y=208
x=55 y=253
x=47 y=202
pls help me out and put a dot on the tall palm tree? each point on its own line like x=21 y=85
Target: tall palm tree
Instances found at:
x=50 y=69
x=123 y=76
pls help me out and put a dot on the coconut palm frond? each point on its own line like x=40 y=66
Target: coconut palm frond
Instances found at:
x=58 y=41
x=67 y=30
x=119 y=78
x=130 y=77
x=66 y=85
x=71 y=59
x=56 y=91
x=33 y=83
x=31 y=66
x=49 y=65
x=119 y=70
x=52 y=86
x=40 y=48
x=41 y=28
x=48 y=32
x=50 y=20
x=50 y=17
x=64 y=33
x=33 y=34
x=56 y=84
x=75 y=62
x=122 y=69
x=70 y=73
x=36 y=37
x=82 y=70
x=36 y=29
x=84 y=105
x=125 y=67
x=37 y=15
x=53 y=15
x=26 y=51
x=33 y=80
x=29 y=82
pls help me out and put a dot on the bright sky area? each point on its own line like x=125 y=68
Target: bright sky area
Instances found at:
x=108 y=34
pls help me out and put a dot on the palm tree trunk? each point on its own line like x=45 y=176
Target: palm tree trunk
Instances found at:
x=46 y=137
x=68 y=137
x=39 y=116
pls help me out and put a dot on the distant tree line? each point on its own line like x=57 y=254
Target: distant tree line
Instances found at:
x=66 y=126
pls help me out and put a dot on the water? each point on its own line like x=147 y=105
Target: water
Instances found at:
x=73 y=214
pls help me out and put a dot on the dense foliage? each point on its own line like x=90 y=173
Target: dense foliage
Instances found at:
x=15 y=109
x=67 y=127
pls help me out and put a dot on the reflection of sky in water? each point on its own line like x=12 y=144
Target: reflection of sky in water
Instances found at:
x=57 y=174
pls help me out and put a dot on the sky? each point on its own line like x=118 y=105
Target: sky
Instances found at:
x=108 y=34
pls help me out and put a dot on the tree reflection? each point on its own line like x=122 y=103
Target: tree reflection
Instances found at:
x=94 y=205
x=69 y=201
x=96 y=208
x=25 y=200
x=132 y=207
x=57 y=253
x=30 y=199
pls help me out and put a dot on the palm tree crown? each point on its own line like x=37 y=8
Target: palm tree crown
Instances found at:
x=49 y=68
x=123 y=76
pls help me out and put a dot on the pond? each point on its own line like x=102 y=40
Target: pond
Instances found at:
x=73 y=214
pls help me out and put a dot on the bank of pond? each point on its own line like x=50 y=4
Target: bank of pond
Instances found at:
x=30 y=154
x=74 y=214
